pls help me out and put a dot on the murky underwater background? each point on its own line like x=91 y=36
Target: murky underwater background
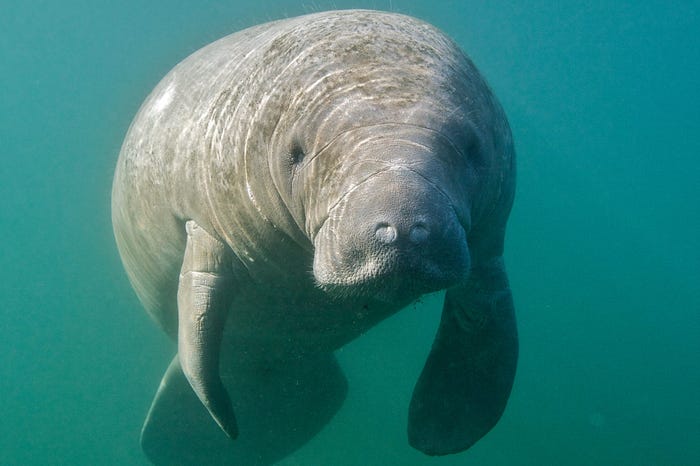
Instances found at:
x=602 y=250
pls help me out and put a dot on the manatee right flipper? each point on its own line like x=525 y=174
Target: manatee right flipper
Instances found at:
x=467 y=379
x=204 y=296
x=279 y=406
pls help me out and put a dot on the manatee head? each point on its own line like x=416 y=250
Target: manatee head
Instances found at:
x=394 y=227
x=386 y=209
x=376 y=151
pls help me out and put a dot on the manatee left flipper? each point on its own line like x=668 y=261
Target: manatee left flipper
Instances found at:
x=467 y=379
x=203 y=298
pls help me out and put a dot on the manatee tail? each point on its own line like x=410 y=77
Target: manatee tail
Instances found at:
x=279 y=408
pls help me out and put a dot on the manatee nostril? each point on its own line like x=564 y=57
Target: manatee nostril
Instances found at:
x=385 y=233
x=418 y=234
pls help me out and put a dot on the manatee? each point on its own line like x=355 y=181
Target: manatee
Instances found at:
x=287 y=187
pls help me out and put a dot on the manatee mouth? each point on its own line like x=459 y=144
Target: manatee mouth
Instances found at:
x=344 y=269
x=399 y=286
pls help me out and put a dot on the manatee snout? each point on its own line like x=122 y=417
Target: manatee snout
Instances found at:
x=395 y=234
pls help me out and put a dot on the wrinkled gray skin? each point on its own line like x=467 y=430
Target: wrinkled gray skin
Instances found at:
x=287 y=187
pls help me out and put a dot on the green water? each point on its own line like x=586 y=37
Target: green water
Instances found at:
x=602 y=248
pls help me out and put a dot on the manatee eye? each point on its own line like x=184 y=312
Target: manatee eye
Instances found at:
x=296 y=153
